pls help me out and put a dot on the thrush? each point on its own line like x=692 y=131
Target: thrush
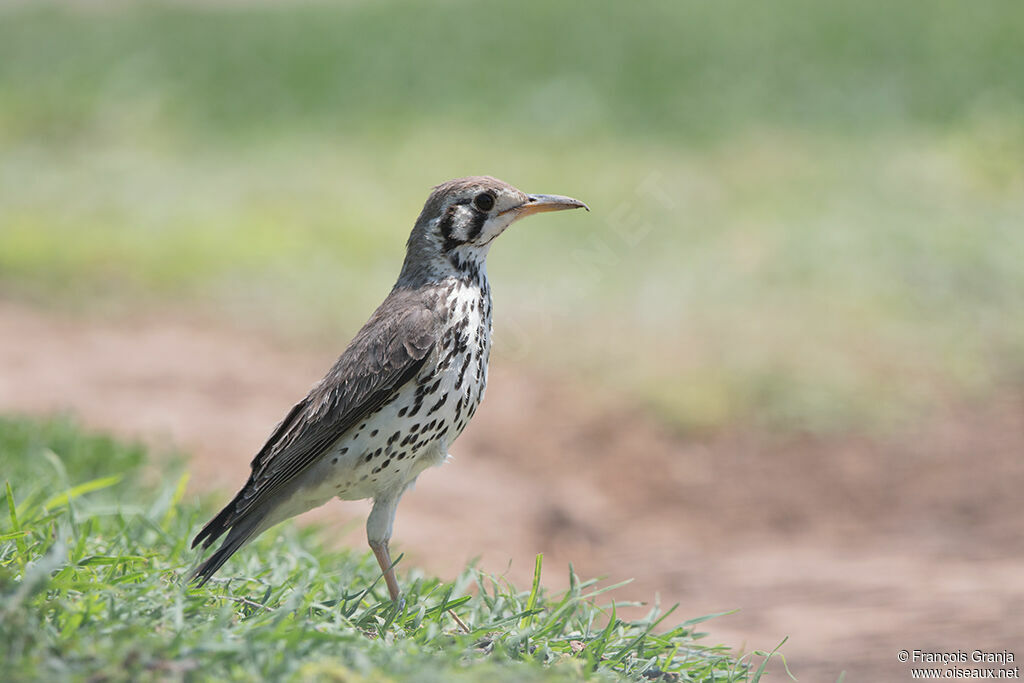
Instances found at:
x=402 y=391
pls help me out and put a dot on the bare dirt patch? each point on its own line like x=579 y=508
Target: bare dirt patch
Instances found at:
x=853 y=547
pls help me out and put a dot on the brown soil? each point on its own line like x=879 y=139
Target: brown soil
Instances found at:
x=855 y=548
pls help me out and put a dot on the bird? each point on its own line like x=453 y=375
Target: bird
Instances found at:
x=401 y=392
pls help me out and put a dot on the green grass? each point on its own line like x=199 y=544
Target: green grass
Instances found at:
x=661 y=71
x=830 y=241
x=94 y=551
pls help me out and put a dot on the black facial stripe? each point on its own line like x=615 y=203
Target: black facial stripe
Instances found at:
x=446 y=226
x=479 y=218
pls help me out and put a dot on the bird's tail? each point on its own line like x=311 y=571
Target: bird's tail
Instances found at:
x=231 y=544
x=239 y=532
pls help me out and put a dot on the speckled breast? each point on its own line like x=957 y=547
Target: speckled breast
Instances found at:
x=413 y=430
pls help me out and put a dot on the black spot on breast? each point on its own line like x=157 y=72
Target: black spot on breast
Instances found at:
x=334 y=461
x=416 y=406
x=373 y=433
x=462 y=371
x=401 y=413
x=437 y=406
x=469 y=268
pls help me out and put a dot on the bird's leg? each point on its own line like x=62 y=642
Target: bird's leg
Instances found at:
x=380 y=549
x=378 y=533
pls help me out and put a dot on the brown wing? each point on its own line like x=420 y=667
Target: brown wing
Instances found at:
x=389 y=351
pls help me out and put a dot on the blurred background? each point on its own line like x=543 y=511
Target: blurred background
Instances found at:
x=779 y=368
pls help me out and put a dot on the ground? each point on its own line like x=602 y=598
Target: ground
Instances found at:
x=854 y=547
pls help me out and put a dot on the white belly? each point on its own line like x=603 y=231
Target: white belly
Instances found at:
x=387 y=451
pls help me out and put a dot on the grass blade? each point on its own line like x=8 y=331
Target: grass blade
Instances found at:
x=531 y=603
x=81 y=490
x=12 y=512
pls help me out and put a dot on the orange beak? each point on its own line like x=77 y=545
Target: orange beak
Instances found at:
x=540 y=203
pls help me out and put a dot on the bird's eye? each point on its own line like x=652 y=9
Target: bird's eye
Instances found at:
x=484 y=201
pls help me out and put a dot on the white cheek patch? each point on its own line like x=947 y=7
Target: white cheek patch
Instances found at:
x=452 y=226
x=463 y=224
x=494 y=227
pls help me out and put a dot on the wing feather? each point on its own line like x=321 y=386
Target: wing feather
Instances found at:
x=388 y=352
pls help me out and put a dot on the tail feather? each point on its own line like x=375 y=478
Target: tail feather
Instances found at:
x=216 y=527
x=242 y=531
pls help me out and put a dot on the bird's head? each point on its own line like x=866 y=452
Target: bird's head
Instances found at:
x=463 y=216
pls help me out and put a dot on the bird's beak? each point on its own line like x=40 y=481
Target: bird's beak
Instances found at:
x=539 y=203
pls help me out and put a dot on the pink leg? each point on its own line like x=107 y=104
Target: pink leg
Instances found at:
x=380 y=549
